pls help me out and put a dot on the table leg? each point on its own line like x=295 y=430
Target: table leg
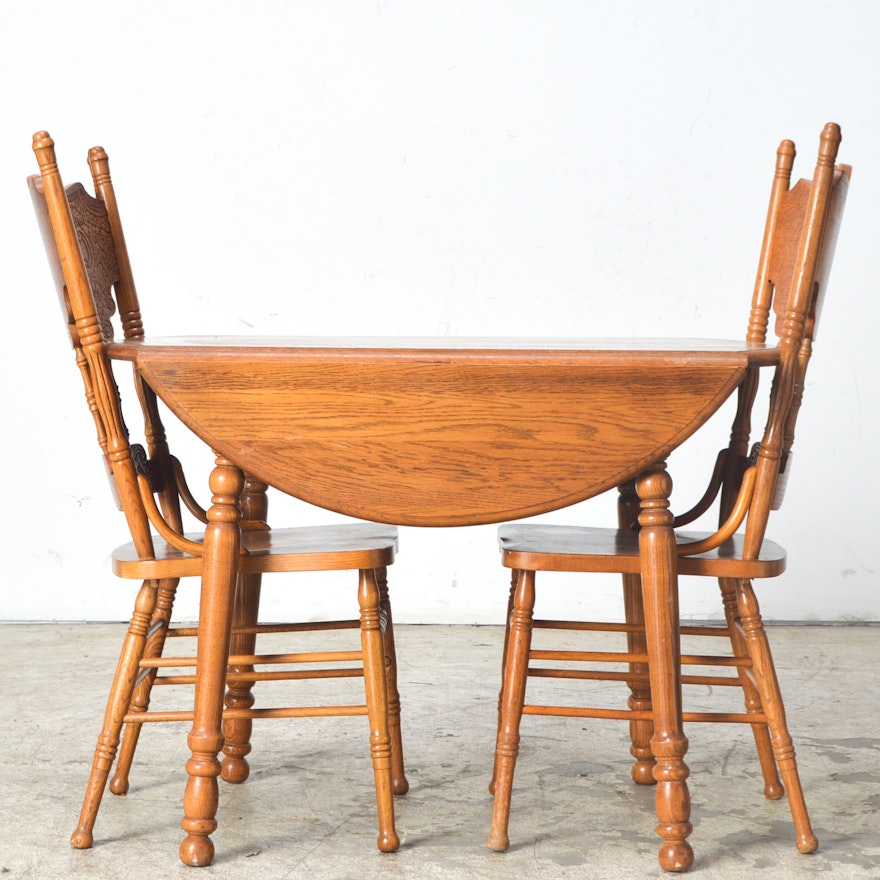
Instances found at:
x=669 y=744
x=222 y=542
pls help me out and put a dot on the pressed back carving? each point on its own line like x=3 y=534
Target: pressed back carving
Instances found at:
x=96 y=246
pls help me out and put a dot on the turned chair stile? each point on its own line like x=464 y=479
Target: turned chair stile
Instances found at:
x=89 y=262
x=797 y=250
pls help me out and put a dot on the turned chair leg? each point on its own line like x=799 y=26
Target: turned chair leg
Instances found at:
x=239 y=694
x=117 y=704
x=399 y=783
x=772 y=786
x=514 y=576
x=512 y=700
x=771 y=698
x=376 y=688
x=140 y=703
x=254 y=506
x=640 y=732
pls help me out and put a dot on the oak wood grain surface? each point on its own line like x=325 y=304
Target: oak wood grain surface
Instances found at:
x=439 y=432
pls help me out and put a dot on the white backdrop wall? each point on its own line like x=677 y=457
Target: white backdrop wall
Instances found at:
x=438 y=168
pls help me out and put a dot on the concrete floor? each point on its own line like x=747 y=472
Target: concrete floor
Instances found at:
x=308 y=811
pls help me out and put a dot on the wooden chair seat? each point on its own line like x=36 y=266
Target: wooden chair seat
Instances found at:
x=343 y=547
x=548 y=547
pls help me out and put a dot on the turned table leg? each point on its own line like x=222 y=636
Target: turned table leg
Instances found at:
x=669 y=744
x=222 y=542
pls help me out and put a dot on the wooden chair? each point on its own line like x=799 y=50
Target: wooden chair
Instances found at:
x=799 y=238
x=90 y=266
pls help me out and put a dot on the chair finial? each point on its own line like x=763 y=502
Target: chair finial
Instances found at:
x=44 y=147
x=829 y=142
x=785 y=154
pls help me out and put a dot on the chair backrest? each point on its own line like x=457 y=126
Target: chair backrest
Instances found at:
x=798 y=247
x=89 y=261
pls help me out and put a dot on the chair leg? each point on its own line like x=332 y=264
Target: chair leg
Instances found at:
x=254 y=506
x=399 y=783
x=640 y=732
x=512 y=700
x=771 y=697
x=239 y=694
x=772 y=786
x=117 y=705
x=375 y=685
x=513 y=581
x=140 y=703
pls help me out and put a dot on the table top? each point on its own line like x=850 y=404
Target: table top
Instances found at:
x=468 y=346
x=442 y=431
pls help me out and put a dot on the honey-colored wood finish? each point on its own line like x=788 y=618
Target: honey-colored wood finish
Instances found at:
x=796 y=255
x=455 y=432
x=90 y=266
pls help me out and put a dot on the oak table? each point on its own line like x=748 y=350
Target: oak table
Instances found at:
x=443 y=432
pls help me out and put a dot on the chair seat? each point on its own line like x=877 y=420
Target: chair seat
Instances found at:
x=546 y=547
x=347 y=546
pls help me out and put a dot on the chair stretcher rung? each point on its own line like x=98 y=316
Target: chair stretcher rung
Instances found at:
x=291 y=712
x=713 y=660
x=587 y=626
x=257 y=659
x=711 y=680
x=703 y=630
x=596 y=626
x=725 y=717
x=643 y=677
x=281 y=675
x=626 y=657
x=258 y=629
x=588 y=712
x=631 y=715
x=587 y=674
x=589 y=656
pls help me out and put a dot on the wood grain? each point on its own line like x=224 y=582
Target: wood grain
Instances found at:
x=442 y=437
